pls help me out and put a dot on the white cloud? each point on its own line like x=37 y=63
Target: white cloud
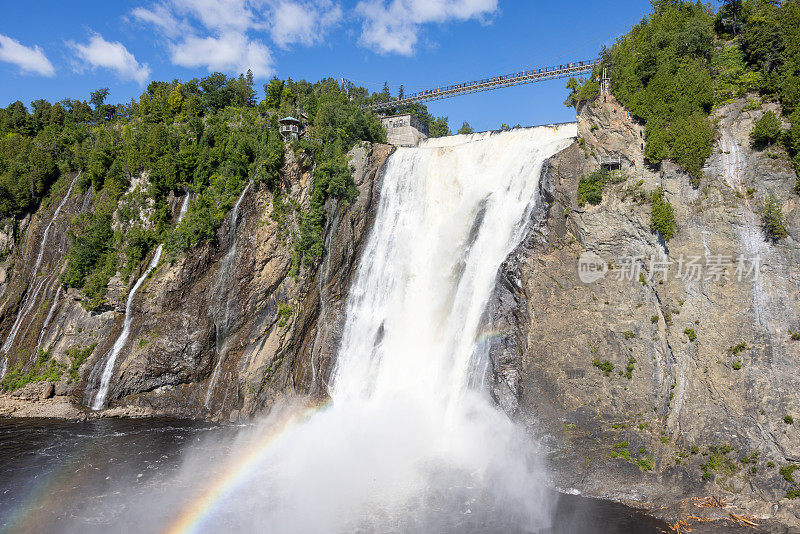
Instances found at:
x=395 y=27
x=161 y=17
x=28 y=59
x=220 y=15
x=223 y=34
x=303 y=23
x=110 y=55
x=228 y=52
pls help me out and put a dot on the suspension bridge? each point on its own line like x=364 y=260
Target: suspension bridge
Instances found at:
x=487 y=84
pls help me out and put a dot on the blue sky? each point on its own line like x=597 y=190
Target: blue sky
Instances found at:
x=67 y=49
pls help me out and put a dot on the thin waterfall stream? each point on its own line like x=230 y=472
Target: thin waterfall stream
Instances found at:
x=106 y=365
x=222 y=296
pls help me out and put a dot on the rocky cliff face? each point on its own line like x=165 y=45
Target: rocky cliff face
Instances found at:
x=659 y=380
x=220 y=332
x=671 y=375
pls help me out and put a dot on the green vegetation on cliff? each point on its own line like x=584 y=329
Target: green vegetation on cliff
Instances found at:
x=662 y=215
x=772 y=219
x=44 y=370
x=208 y=137
x=768 y=34
x=660 y=72
x=676 y=64
x=590 y=188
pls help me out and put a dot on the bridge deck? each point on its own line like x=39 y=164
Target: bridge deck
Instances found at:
x=487 y=84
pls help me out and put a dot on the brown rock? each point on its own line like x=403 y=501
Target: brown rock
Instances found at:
x=47 y=391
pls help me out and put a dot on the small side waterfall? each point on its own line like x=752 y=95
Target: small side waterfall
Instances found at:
x=107 y=368
x=221 y=294
x=49 y=317
x=29 y=302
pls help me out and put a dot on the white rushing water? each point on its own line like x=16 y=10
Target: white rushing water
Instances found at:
x=110 y=359
x=222 y=294
x=407 y=444
x=30 y=298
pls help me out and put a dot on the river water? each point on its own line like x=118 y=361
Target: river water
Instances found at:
x=58 y=476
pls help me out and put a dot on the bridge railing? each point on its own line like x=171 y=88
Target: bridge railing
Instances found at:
x=495 y=82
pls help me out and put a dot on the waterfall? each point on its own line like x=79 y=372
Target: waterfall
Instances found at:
x=222 y=290
x=107 y=369
x=30 y=298
x=411 y=441
x=50 y=314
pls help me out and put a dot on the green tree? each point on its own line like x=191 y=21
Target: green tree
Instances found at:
x=250 y=94
x=729 y=17
x=273 y=91
x=662 y=216
x=772 y=219
x=465 y=128
x=581 y=90
x=766 y=130
x=175 y=100
x=691 y=138
x=102 y=111
x=439 y=127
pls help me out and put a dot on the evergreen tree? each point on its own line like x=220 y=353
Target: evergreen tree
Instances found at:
x=250 y=92
x=772 y=219
x=465 y=128
x=766 y=130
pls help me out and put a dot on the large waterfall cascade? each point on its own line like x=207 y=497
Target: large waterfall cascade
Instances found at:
x=106 y=365
x=411 y=441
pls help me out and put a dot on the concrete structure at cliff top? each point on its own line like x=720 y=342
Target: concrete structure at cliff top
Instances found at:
x=404 y=130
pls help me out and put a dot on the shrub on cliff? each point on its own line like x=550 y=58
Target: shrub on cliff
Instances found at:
x=772 y=219
x=662 y=216
x=691 y=138
x=590 y=188
x=766 y=130
x=582 y=90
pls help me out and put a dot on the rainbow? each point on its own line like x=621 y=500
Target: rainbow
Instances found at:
x=202 y=508
x=491 y=335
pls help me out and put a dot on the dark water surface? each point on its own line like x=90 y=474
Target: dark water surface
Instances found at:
x=58 y=476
